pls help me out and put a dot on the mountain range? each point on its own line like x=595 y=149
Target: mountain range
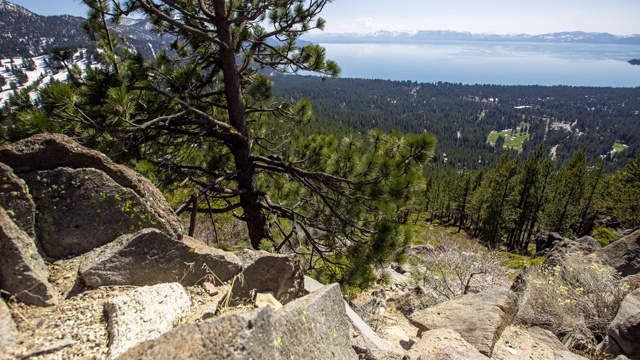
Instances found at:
x=578 y=37
x=25 y=33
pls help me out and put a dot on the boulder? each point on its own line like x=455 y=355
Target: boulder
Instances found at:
x=623 y=336
x=545 y=240
x=479 y=318
x=8 y=330
x=409 y=302
x=144 y=314
x=234 y=336
x=623 y=254
x=531 y=343
x=368 y=340
x=444 y=344
x=561 y=249
x=51 y=151
x=81 y=209
x=22 y=271
x=311 y=285
x=15 y=199
x=611 y=222
x=150 y=257
x=311 y=327
x=267 y=299
x=266 y=272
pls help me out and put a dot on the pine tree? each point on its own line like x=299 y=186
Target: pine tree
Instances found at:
x=202 y=119
x=626 y=194
x=563 y=209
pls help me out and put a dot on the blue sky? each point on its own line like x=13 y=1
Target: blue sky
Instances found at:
x=489 y=16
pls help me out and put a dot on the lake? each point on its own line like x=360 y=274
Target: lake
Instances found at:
x=490 y=63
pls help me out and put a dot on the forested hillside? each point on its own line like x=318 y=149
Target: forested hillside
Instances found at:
x=562 y=119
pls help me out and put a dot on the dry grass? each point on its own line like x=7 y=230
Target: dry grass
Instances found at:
x=579 y=298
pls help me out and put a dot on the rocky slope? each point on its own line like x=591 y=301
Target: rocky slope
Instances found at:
x=143 y=290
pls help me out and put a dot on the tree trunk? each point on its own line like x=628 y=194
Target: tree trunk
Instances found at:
x=240 y=147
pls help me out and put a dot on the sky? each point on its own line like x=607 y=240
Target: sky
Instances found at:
x=619 y=17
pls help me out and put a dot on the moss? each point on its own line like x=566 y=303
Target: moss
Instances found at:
x=516 y=261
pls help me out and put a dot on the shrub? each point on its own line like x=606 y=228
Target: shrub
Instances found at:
x=604 y=235
x=580 y=298
x=450 y=270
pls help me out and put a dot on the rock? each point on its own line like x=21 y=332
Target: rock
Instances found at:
x=531 y=343
x=394 y=277
x=396 y=336
x=315 y=326
x=578 y=341
x=266 y=272
x=51 y=151
x=22 y=271
x=624 y=331
x=545 y=240
x=611 y=222
x=150 y=257
x=311 y=327
x=561 y=249
x=587 y=245
x=210 y=288
x=368 y=338
x=8 y=330
x=369 y=341
x=311 y=285
x=444 y=344
x=144 y=314
x=623 y=254
x=409 y=301
x=267 y=300
x=15 y=199
x=479 y=318
x=81 y=209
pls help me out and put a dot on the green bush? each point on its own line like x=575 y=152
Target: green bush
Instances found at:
x=604 y=235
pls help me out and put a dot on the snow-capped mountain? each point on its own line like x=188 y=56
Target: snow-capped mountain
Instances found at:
x=434 y=35
x=23 y=32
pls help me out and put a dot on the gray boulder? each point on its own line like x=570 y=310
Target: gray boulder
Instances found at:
x=312 y=327
x=81 y=209
x=479 y=318
x=531 y=343
x=623 y=254
x=623 y=336
x=410 y=301
x=266 y=272
x=444 y=344
x=22 y=271
x=144 y=314
x=368 y=340
x=561 y=249
x=546 y=240
x=51 y=151
x=150 y=257
x=8 y=330
x=15 y=198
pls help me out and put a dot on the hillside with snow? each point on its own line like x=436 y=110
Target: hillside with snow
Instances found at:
x=32 y=74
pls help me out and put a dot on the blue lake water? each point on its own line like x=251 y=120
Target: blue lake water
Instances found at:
x=490 y=63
